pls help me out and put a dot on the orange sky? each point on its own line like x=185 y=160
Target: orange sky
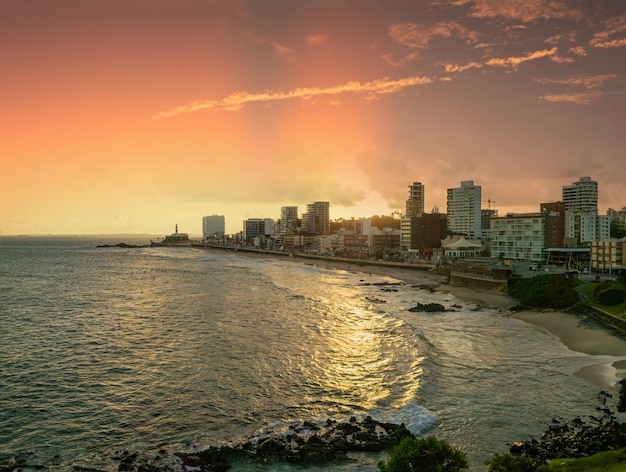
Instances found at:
x=129 y=116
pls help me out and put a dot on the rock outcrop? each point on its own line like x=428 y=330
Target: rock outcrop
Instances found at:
x=303 y=443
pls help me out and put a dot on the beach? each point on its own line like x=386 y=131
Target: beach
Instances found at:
x=606 y=347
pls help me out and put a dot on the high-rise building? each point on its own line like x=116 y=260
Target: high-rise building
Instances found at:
x=463 y=212
x=415 y=202
x=213 y=225
x=316 y=220
x=581 y=210
x=288 y=218
x=581 y=195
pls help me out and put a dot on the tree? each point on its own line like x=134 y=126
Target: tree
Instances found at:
x=424 y=455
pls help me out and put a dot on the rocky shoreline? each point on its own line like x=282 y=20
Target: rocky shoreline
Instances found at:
x=304 y=443
x=579 y=437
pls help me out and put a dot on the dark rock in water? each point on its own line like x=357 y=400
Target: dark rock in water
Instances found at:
x=375 y=300
x=305 y=443
x=120 y=245
x=428 y=307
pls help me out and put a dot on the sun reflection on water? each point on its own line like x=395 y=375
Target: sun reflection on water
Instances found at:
x=360 y=361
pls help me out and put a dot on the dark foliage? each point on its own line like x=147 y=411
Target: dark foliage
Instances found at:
x=551 y=291
x=424 y=455
x=612 y=296
x=510 y=463
x=602 y=286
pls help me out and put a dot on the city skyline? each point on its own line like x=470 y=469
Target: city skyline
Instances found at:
x=128 y=117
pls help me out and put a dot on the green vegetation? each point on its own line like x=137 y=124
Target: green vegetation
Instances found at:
x=551 y=291
x=424 y=455
x=609 y=293
x=609 y=461
x=588 y=293
x=511 y=463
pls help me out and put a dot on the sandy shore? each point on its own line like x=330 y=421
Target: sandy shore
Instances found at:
x=607 y=348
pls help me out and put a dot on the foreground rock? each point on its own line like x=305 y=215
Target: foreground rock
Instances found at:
x=304 y=443
x=579 y=437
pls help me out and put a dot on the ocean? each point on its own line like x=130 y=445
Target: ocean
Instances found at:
x=109 y=349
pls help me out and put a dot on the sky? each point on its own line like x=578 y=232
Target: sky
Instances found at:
x=132 y=116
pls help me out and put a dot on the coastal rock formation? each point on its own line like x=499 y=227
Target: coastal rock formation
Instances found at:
x=303 y=443
x=428 y=308
x=578 y=438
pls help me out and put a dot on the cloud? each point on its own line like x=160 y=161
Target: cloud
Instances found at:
x=403 y=61
x=317 y=39
x=524 y=10
x=416 y=36
x=237 y=100
x=614 y=43
x=586 y=81
x=280 y=50
x=559 y=38
x=514 y=61
x=583 y=98
x=578 y=50
x=614 y=26
x=458 y=68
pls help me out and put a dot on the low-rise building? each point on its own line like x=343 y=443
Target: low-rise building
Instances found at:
x=608 y=255
x=462 y=249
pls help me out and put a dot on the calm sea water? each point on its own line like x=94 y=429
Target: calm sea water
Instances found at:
x=103 y=349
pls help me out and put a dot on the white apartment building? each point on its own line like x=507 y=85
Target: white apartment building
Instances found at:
x=581 y=210
x=464 y=212
x=581 y=196
x=214 y=225
x=405 y=234
x=522 y=236
x=415 y=202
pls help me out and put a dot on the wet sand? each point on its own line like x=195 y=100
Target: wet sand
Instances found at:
x=580 y=335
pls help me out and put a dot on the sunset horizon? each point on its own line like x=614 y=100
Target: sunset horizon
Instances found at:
x=130 y=117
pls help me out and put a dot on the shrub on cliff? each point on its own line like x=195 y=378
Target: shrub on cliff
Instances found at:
x=602 y=286
x=425 y=455
x=529 y=292
x=545 y=290
x=511 y=463
x=611 y=296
